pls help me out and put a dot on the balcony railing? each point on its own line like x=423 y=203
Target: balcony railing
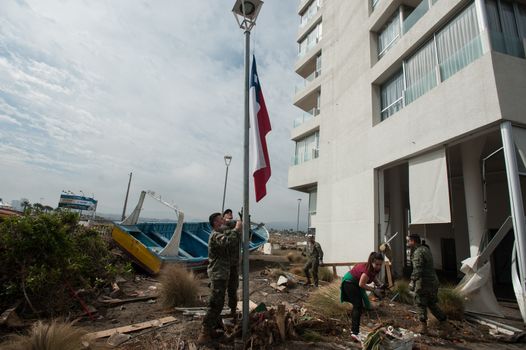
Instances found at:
x=305 y=157
x=308 y=47
x=415 y=16
x=308 y=16
x=306 y=116
x=307 y=80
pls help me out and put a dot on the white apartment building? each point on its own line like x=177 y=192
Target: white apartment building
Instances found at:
x=414 y=120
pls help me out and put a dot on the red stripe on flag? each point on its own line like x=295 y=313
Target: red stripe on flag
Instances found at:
x=262 y=175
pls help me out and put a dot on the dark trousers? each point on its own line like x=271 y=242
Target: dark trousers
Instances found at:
x=353 y=294
x=428 y=299
x=313 y=264
x=216 y=302
x=233 y=285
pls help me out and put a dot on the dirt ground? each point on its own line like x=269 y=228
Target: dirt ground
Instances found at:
x=183 y=332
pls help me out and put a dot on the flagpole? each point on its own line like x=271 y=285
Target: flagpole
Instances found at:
x=246 y=215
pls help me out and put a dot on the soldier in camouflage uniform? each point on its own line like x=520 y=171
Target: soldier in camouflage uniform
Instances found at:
x=424 y=283
x=314 y=256
x=233 y=281
x=220 y=245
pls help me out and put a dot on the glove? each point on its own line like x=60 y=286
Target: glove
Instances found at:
x=412 y=286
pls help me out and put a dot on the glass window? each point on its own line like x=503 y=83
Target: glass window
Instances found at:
x=505 y=23
x=420 y=72
x=459 y=43
x=313 y=199
x=389 y=34
x=391 y=95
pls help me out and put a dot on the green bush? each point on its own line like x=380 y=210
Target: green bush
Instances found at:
x=44 y=257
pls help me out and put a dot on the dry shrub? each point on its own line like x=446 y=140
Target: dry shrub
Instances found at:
x=325 y=274
x=312 y=336
x=179 y=287
x=295 y=258
x=298 y=271
x=50 y=336
x=401 y=287
x=451 y=302
x=326 y=301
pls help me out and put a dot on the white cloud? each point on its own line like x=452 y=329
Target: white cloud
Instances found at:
x=91 y=90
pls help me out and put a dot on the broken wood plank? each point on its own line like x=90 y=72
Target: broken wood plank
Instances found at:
x=116 y=302
x=251 y=306
x=131 y=328
x=280 y=322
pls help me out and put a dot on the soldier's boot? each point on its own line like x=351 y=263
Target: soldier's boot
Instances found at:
x=444 y=330
x=233 y=314
x=204 y=337
x=422 y=328
x=308 y=282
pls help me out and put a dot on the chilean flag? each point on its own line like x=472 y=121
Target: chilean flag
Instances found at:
x=260 y=126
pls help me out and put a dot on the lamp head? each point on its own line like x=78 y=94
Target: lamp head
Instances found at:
x=246 y=12
x=228 y=159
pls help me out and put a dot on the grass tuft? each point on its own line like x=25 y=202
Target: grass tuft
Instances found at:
x=326 y=301
x=404 y=294
x=178 y=287
x=295 y=258
x=325 y=274
x=298 y=271
x=50 y=336
x=451 y=302
x=312 y=336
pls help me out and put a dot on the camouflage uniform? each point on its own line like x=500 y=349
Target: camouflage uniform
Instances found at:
x=314 y=255
x=220 y=246
x=233 y=280
x=425 y=284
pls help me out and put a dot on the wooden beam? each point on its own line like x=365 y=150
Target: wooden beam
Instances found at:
x=131 y=328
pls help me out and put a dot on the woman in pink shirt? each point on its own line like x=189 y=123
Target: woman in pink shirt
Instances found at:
x=354 y=285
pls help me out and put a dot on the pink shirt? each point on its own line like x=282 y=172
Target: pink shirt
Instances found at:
x=360 y=269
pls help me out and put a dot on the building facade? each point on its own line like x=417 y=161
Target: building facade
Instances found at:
x=413 y=117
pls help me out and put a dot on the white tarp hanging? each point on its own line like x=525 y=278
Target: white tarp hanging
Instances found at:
x=428 y=188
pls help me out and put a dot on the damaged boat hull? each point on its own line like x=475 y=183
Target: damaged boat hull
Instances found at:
x=144 y=243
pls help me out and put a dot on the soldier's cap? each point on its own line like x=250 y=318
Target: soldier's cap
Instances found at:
x=414 y=237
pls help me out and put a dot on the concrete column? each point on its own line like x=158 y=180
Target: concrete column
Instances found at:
x=471 y=168
x=396 y=212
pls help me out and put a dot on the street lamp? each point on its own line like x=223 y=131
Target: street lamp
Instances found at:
x=246 y=13
x=228 y=159
x=298 y=220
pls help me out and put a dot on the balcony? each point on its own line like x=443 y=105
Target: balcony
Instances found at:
x=415 y=16
x=309 y=46
x=307 y=81
x=304 y=157
x=306 y=116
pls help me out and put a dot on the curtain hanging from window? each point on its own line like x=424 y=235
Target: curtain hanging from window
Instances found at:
x=392 y=95
x=459 y=43
x=420 y=72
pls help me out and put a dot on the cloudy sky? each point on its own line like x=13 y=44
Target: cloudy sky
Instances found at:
x=91 y=90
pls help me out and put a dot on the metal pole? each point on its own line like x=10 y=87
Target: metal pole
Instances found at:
x=126 y=199
x=224 y=191
x=246 y=215
x=298 y=219
x=514 y=188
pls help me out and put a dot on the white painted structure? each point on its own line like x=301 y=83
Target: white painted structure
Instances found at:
x=402 y=101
